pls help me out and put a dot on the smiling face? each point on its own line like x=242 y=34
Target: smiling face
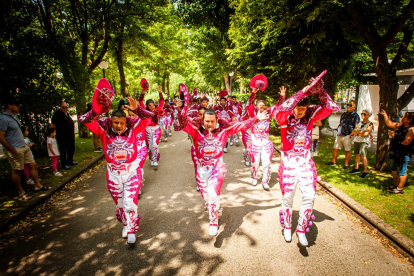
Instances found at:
x=204 y=104
x=210 y=121
x=223 y=102
x=300 y=111
x=119 y=124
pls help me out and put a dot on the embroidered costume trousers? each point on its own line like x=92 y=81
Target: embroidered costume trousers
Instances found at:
x=124 y=191
x=246 y=143
x=152 y=138
x=209 y=180
x=261 y=152
x=302 y=173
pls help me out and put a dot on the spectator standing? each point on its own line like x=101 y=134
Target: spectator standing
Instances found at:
x=347 y=124
x=26 y=171
x=52 y=149
x=362 y=141
x=65 y=135
x=16 y=150
x=400 y=149
x=96 y=140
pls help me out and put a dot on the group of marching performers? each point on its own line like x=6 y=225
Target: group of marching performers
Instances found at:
x=128 y=140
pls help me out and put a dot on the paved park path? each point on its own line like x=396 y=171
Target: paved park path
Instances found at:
x=83 y=237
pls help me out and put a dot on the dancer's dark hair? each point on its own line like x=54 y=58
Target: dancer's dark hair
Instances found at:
x=118 y=113
x=209 y=111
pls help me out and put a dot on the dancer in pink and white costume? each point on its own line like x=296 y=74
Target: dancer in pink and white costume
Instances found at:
x=153 y=133
x=209 y=134
x=296 y=119
x=118 y=135
x=225 y=110
x=166 y=121
x=260 y=147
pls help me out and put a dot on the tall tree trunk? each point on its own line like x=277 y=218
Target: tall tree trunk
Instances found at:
x=119 y=49
x=227 y=82
x=168 y=88
x=388 y=84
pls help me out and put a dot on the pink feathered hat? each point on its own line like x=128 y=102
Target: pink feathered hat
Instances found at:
x=144 y=84
x=223 y=93
x=258 y=82
x=102 y=97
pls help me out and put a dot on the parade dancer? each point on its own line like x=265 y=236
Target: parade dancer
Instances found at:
x=118 y=135
x=246 y=139
x=209 y=134
x=260 y=147
x=237 y=111
x=153 y=132
x=225 y=110
x=296 y=119
x=166 y=121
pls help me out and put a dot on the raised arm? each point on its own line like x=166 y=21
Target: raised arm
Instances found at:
x=388 y=122
x=250 y=103
x=327 y=104
x=273 y=109
x=90 y=120
x=141 y=98
x=161 y=104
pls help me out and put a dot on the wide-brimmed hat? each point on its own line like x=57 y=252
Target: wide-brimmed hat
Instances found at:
x=223 y=93
x=144 y=84
x=102 y=97
x=258 y=82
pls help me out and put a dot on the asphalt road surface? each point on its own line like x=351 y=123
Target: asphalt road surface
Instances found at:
x=83 y=237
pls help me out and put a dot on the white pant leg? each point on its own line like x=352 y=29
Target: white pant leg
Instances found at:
x=307 y=179
x=266 y=153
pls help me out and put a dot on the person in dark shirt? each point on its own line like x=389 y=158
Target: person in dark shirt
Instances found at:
x=348 y=122
x=65 y=135
x=402 y=136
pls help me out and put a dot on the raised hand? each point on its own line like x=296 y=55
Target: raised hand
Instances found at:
x=282 y=91
x=254 y=90
x=132 y=104
x=159 y=89
x=262 y=115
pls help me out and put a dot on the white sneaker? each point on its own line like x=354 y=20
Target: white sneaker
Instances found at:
x=165 y=139
x=155 y=164
x=224 y=149
x=131 y=238
x=152 y=164
x=139 y=192
x=247 y=163
x=213 y=230
x=266 y=186
x=57 y=174
x=254 y=182
x=125 y=232
x=220 y=211
x=169 y=134
x=237 y=141
x=231 y=143
x=287 y=233
x=198 y=189
x=302 y=239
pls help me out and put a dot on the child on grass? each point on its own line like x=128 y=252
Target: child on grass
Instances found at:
x=29 y=143
x=52 y=149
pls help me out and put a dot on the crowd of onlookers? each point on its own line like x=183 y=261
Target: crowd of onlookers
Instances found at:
x=16 y=145
x=357 y=130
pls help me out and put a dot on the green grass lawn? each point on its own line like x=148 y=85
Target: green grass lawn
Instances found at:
x=396 y=210
x=9 y=200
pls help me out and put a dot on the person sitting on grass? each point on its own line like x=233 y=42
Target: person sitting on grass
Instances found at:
x=362 y=141
x=400 y=148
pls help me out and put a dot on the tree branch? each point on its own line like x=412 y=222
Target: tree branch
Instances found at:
x=406 y=98
x=399 y=22
x=408 y=35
